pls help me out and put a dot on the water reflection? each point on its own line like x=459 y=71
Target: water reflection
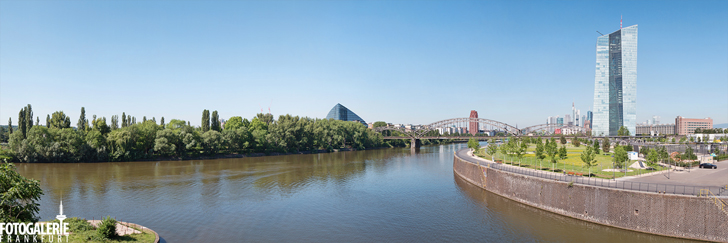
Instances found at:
x=379 y=195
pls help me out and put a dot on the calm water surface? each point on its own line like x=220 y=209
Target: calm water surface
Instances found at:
x=385 y=195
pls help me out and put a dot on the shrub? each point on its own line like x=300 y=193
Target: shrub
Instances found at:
x=107 y=228
x=78 y=225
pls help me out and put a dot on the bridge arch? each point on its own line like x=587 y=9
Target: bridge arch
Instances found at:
x=454 y=122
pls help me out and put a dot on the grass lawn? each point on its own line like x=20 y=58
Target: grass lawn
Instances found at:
x=572 y=163
x=82 y=231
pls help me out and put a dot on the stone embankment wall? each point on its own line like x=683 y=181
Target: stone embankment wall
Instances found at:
x=669 y=215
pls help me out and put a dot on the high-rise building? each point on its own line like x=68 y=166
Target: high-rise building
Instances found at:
x=560 y=121
x=655 y=120
x=615 y=82
x=590 y=117
x=340 y=112
x=573 y=113
x=567 y=119
x=473 y=124
x=577 y=122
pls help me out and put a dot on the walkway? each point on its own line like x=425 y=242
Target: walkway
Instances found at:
x=635 y=184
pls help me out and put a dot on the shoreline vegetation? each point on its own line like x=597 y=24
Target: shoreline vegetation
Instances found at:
x=126 y=139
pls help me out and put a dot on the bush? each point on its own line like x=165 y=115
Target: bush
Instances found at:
x=107 y=228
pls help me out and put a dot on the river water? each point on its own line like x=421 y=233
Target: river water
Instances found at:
x=383 y=195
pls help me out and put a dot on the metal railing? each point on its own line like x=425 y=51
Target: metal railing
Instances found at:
x=609 y=183
x=720 y=203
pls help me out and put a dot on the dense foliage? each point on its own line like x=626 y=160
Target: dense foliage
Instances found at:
x=18 y=196
x=98 y=141
x=107 y=228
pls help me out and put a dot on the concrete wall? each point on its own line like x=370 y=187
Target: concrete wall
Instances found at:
x=670 y=215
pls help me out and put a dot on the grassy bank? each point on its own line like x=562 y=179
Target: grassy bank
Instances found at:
x=572 y=163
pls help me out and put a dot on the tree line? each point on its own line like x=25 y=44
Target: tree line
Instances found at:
x=128 y=140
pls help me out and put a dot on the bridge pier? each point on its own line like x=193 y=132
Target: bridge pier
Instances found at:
x=414 y=143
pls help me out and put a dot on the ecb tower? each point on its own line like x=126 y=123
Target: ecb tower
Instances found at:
x=615 y=82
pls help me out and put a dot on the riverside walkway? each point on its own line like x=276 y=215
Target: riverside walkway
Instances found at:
x=679 y=185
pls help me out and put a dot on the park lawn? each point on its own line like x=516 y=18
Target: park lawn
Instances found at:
x=572 y=163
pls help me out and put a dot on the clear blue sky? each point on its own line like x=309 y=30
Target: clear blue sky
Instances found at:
x=398 y=61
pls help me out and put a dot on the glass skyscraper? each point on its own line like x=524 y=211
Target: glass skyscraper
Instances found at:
x=340 y=112
x=615 y=83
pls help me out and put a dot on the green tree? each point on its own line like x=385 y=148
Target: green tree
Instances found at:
x=505 y=148
x=205 y=126
x=175 y=124
x=576 y=141
x=563 y=140
x=211 y=141
x=623 y=131
x=473 y=144
x=215 y=122
x=161 y=121
x=19 y=196
x=100 y=125
x=166 y=142
x=379 y=124
x=237 y=140
x=539 y=152
x=21 y=122
x=551 y=150
x=10 y=125
x=662 y=154
x=82 y=121
x=520 y=148
x=689 y=154
x=492 y=147
x=48 y=121
x=60 y=120
x=124 y=120
x=589 y=158
x=620 y=157
x=605 y=145
x=114 y=122
x=562 y=153
x=28 y=118
x=234 y=123
x=265 y=118
x=652 y=158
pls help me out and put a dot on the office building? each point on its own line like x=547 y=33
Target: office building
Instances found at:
x=615 y=82
x=340 y=112
x=686 y=126
x=655 y=129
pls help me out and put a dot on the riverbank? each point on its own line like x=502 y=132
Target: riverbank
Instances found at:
x=657 y=213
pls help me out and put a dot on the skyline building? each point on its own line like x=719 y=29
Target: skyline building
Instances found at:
x=474 y=124
x=567 y=119
x=590 y=117
x=615 y=82
x=340 y=112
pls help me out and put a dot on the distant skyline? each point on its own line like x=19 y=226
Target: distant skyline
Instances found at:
x=396 y=61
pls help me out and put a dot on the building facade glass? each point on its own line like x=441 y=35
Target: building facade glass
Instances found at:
x=340 y=112
x=615 y=82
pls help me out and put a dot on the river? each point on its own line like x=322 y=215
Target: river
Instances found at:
x=382 y=195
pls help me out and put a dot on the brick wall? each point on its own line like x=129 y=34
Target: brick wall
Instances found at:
x=670 y=215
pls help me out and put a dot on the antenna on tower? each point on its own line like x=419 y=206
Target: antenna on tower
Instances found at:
x=600 y=33
x=620 y=22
